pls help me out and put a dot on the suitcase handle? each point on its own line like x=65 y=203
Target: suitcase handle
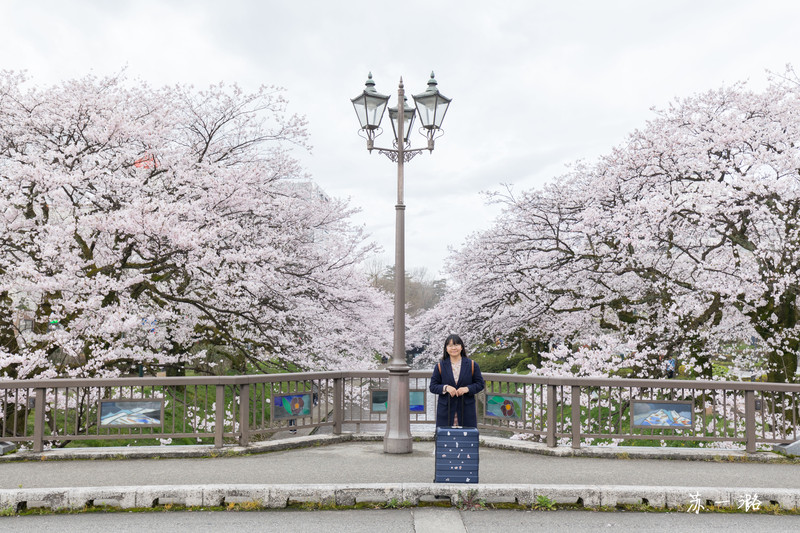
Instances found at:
x=461 y=420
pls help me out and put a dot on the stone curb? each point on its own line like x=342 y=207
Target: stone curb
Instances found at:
x=631 y=452
x=7 y=447
x=176 y=452
x=207 y=451
x=279 y=496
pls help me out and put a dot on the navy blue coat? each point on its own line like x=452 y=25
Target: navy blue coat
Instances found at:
x=458 y=404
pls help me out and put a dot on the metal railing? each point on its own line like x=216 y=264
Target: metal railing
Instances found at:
x=558 y=411
x=579 y=410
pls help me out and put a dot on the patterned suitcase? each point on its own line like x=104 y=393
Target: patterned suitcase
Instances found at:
x=456 y=455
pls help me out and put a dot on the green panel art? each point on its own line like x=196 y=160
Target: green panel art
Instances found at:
x=291 y=406
x=379 y=400
x=504 y=406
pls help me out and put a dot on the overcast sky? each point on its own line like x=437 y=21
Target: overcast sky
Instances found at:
x=535 y=84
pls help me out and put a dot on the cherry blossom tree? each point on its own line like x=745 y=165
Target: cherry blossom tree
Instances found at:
x=681 y=240
x=141 y=226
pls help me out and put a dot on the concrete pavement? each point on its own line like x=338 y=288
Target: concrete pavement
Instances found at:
x=413 y=520
x=350 y=469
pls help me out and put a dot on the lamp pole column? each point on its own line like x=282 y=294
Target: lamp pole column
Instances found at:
x=398 y=425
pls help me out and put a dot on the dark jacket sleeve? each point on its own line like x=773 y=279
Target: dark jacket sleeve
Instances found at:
x=477 y=384
x=436 y=386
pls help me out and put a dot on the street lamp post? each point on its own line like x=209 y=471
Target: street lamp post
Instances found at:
x=370 y=106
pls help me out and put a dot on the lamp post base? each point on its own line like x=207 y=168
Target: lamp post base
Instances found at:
x=397 y=445
x=398 y=424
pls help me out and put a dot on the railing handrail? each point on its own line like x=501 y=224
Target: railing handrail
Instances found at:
x=646 y=383
x=350 y=374
x=246 y=379
x=558 y=398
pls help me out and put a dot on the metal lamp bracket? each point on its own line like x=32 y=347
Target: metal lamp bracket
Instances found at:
x=408 y=155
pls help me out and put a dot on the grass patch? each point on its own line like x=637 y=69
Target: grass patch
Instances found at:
x=438 y=503
x=467 y=501
x=498 y=361
x=395 y=504
x=543 y=503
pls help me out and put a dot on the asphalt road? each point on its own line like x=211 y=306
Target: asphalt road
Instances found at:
x=421 y=520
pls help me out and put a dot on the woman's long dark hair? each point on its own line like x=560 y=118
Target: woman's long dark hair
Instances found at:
x=456 y=340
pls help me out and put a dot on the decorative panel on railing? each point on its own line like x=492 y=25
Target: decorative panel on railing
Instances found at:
x=510 y=405
x=567 y=411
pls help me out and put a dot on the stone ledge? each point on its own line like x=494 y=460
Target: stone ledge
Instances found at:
x=630 y=452
x=279 y=496
x=7 y=447
x=792 y=449
x=176 y=452
x=201 y=451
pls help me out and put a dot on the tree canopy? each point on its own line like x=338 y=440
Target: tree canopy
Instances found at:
x=141 y=226
x=680 y=240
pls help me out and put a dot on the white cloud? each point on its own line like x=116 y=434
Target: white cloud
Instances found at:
x=535 y=84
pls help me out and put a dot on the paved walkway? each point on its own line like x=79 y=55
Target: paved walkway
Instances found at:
x=350 y=468
x=413 y=520
x=360 y=459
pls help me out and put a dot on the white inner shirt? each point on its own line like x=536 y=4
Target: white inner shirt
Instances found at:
x=456 y=371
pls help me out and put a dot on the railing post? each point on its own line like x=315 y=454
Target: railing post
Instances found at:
x=551 y=416
x=38 y=420
x=244 y=414
x=219 y=423
x=576 y=417
x=338 y=404
x=750 y=420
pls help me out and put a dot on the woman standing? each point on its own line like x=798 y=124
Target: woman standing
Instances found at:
x=456 y=380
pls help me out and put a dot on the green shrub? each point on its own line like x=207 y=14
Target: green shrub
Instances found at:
x=522 y=366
